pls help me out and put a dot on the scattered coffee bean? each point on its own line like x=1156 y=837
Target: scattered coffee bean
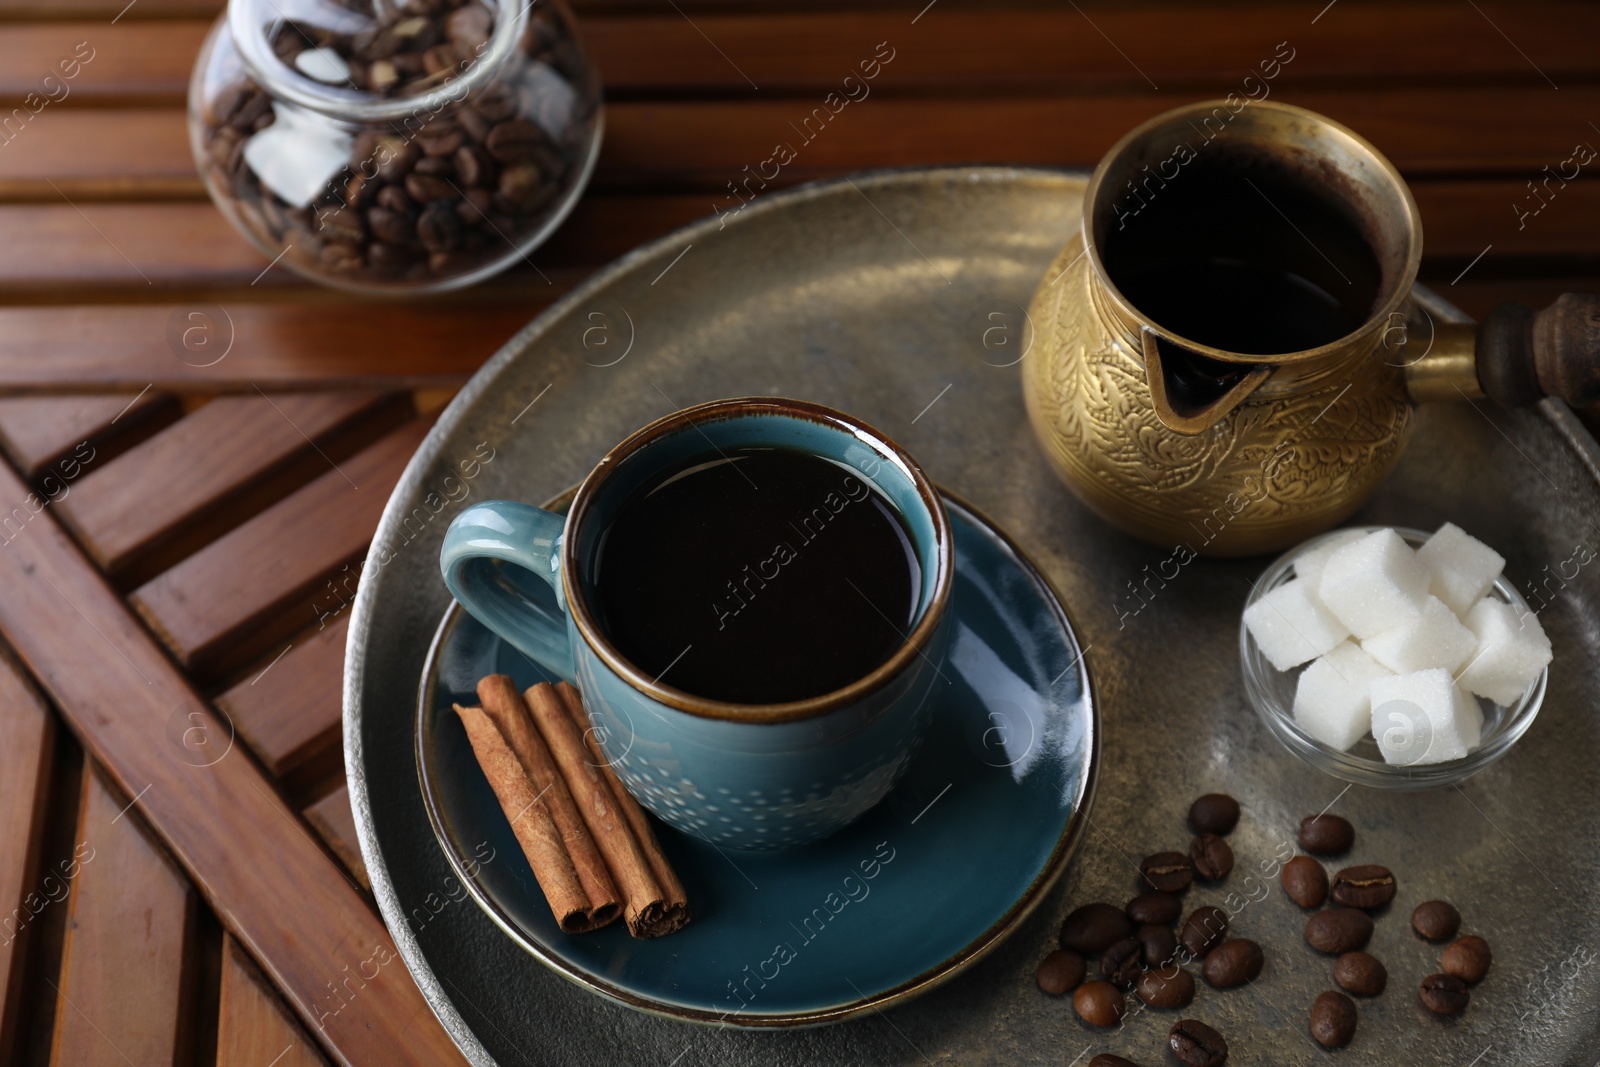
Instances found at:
x=1468 y=959
x=1154 y=908
x=1338 y=930
x=1233 y=963
x=1360 y=974
x=1444 y=994
x=1214 y=813
x=1211 y=856
x=1436 y=920
x=1367 y=886
x=1122 y=963
x=1094 y=928
x=1166 y=987
x=1106 y=1059
x=1305 y=881
x=1333 y=1019
x=1159 y=942
x=1204 y=930
x=1061 y=972
x=1167 y=872
x=1099 y=1003
x=1197 y=1045
x=1326 y=835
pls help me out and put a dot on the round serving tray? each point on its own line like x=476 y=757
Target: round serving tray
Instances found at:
x=899 y=297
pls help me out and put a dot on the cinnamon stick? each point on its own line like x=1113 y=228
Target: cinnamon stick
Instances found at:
x=533 y=826
x=505 y=708
x=675 y=901
x=645 y=906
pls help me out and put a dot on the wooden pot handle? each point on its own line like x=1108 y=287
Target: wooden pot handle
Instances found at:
x=1526 y=355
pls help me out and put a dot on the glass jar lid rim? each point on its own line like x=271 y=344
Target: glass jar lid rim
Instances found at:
x=283 y=82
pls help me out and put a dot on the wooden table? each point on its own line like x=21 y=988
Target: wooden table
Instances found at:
x=179 y=879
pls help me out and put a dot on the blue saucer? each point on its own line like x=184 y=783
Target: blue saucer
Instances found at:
x=917 y=890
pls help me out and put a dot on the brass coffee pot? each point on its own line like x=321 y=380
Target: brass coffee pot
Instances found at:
x=1228 y=354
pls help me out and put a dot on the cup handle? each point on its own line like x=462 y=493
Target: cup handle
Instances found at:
x=497 y=558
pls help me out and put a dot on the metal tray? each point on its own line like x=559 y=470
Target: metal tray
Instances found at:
x=898 y=296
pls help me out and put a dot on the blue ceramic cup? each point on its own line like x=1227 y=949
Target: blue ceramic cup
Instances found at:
x=743 y=775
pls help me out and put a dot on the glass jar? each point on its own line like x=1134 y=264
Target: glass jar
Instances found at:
x=395 y=145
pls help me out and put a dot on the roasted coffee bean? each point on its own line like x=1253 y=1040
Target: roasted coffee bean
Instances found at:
x=339 y=257
x=1106 y=1059
x=1360 y=973
x=1468 y=959
x=474 y=166
x=1233 y=963
x=391 y=226
x=393 y=157
x=1166 y=987
x=440 y=142
x=1214 y=813
x=1444 y=994
x=1099 y=1003
x=1061 y=972
x=469 y=25
x=520 y=188
x=1197 y=1045
x=1306 y=882
x=341 y=224
x=390 y=260
x=1154 y=908
x=396 y=199
x=1203 y=930
x=474 y=206
x=1122 y=963
x=1160 y=944
x=1326 y=835
x=1436 y=920
x=1167 y=872
x=1367 y=887
x=425 y=188
x=1333 y=1019
x=1094 y=928
x=436 y=166
x=1339 y=930
x=439 y=228
x=1211 y=856
x=514 y=140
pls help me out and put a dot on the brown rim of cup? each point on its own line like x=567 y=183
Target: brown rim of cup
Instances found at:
x=916 y=641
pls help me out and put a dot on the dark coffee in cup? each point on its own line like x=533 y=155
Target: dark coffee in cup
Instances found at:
x=756 y=576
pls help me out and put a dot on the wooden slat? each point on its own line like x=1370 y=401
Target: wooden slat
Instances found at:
x=121 y=988
x=225 y=824
x=40 y=433
x=213 y=470
x=247 y=590
x=128 y=62
x=288 y=709
x=333 y=819
x=137 y=153
x=253 y=1029
x=27 y=747
x=1198 y=48
x=276 y=347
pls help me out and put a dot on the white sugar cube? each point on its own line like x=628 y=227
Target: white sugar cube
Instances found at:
x=1374 y=584
x=1332 y=700
x=1461 y=568
x=1434 y=638
x=1308 y=564
x=1424 y=717
x=1290 y=625
x=1510 y=652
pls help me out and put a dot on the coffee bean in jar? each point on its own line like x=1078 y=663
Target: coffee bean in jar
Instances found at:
x=395 y=145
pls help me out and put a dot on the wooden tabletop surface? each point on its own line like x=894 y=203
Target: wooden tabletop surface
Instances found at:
x=179 y=877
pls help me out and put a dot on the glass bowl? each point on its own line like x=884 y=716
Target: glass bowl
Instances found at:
x=1271 y=693
x=395 y=146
